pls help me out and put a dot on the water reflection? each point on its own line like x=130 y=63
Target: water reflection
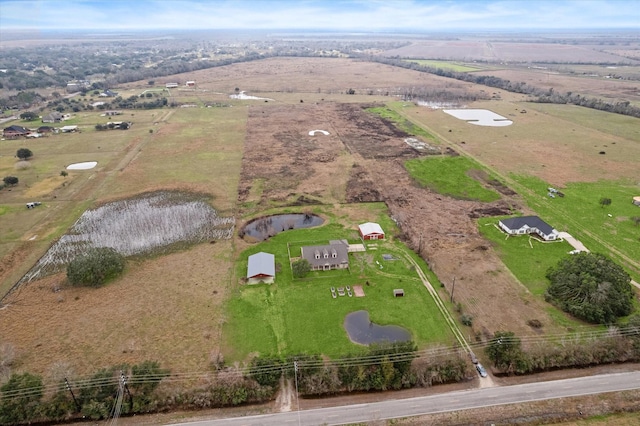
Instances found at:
x=361 y=330
x=262 y=228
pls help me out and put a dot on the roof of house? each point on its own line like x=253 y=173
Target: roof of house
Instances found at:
x=54 y=115
x=16 y=128
x=261 y=264
x=370 y=228
x=340 y=250
x=530 y=221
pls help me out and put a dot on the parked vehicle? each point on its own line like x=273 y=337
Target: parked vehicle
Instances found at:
x=481 y=370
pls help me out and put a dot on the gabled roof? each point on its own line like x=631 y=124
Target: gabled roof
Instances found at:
x=340 y=250
x=16 y=128
x=370 y=228
x=530 y=221
x=261 y=264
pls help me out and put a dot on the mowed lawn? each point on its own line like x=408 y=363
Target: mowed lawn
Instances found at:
x=295 y=316
x=608 y=229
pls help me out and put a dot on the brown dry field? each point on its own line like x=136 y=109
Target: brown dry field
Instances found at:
x=155 y=310
x=609 y=89
x=500 y=51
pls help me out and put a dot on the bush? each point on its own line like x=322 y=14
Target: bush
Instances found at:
x=95 y=267
x=466 y=319
x=10 y=180
x=24 y=153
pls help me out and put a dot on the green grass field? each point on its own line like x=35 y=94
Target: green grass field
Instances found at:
x=300 y=316
x=450 y=176
x=580 y=213
x=401 y=122
x=445 y=65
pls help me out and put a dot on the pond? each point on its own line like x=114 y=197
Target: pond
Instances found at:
x=361 y=330
x=262 y=228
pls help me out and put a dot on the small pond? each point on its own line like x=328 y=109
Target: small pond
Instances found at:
x=262 y=228
x=361 y=330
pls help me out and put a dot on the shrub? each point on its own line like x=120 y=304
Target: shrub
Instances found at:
x=95 y=267
x=466 y=319
x=24 y=153
x=22 y=165
x=10 y=180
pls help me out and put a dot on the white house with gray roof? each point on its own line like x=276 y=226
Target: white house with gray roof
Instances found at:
x=327 y=257
x=528 y=225
x=261 y=268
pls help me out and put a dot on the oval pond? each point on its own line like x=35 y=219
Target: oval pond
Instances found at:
x=361 y=330
x=262 y=228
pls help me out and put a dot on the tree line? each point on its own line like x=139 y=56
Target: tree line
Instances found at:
x=539 y=95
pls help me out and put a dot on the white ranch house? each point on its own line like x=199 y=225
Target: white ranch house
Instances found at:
x=528 y=225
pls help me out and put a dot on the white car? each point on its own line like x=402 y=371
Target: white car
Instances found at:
x=481 y=370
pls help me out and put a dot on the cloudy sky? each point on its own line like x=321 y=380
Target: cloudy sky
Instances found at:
x=339 y=15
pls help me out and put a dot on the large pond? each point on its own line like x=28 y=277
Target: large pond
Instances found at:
x=361 y=330
x=262 y=228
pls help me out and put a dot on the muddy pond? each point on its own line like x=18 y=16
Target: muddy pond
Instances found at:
x=361 y=330
x=262 y=228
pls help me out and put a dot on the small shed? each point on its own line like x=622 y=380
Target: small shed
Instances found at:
x=371 y=231
x=636 y=201
x=261 y=268
x=398 y=292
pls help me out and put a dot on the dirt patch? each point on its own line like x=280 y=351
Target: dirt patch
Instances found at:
x=358 y=291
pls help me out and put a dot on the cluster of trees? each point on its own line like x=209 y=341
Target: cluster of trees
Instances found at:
x=591 y=287
x=541 y=95
x=389 y=366
x=21 y=100
x=23 y=399
x=508 y=355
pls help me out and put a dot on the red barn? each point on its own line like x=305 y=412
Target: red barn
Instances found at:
x=371 y=231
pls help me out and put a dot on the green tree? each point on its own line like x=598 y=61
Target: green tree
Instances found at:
x=301 y=268
x=505 y=351
x=266 y=370
x=95 y=267
x=20 y=402
x=144 y=380
x=24 y=153
x=591 y=287
x=29 y=116
x=10 y=180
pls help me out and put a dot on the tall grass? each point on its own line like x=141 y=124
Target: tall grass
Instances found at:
x=137 y=226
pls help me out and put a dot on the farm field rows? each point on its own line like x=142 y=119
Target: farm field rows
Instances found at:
x=256 y=157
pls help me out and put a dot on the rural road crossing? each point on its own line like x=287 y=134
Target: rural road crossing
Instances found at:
x=451 y=401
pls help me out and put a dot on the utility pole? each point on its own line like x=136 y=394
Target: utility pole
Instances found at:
x=124 y=384
x=453 y=287
x=66 y=382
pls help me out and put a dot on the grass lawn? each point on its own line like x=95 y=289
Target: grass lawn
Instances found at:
x=300 y=316
x=450 y=176
x=527 y=257
x=579 y=212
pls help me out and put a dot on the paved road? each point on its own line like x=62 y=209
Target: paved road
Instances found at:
x=452 y=401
